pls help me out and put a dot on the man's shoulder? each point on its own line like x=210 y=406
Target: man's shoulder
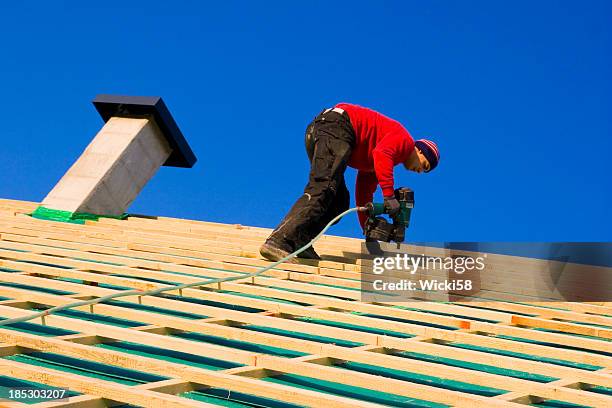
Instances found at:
x=355 y=110
x=352 y=106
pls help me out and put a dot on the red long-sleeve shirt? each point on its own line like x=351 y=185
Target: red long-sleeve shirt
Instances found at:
x=381 y=143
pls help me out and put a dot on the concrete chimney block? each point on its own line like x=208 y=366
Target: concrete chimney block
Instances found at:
x=139 y=136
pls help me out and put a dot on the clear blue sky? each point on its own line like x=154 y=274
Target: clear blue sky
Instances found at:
x=517 y=94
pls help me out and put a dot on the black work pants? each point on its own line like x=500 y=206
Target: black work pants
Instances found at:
x=325 y=195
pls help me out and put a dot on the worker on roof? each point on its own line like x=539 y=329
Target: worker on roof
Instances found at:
x=347 y=135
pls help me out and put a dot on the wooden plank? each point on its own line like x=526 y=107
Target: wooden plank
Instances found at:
x=379 y=359
x=341 y=353
x=387 y=341
x=168 y=244
x=355 y=379
x=313 y=313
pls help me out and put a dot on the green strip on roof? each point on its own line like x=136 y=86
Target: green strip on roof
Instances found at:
x=599 y=389
x=585 y=336
x=207 y=363
x=97 y=261
x=476 y=366
x=154 y=309
x=423 y=379
x=397 y=319
x=142 y=278
x=460 y=316
x=98 y=318
x=43 y=213
x=302 y=292
x=45 y=264
x=557 y=404
x=302 y=336
x=355 y=327
x=37 y=329
x=213 y=303
x=241 y=345
x=565 y=363
x=592 y=325
x=86 y=368
x=555 y=345
x=500 y=310
x=233 y=399
x=277 y=300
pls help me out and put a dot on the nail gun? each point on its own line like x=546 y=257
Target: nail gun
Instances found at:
x=379 y=229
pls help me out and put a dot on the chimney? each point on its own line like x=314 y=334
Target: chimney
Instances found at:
x=138 y=137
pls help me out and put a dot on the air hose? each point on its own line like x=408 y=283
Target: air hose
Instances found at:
x=176 y=287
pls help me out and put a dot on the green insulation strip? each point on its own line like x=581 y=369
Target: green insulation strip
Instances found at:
x=585 y=336
x=23 y=251
x=237 y=344
x=233 y=399
x=302 y=336
x=142 y=278
x=494 y=309
x=114 y=287
x=302 y=292
x=38 y=329
x=43 y=213
x=155 y=309
x=9 y=270
x=213 y=303
x=361 y=394
x=525 y=356
x=543 y=343
x=422 y=379
x=98 y=318
x=207 y=363
x=557 y=404
x=414 y=309
x=277 y=300
x=476 y=366
x=327 y=285
x=97 y=261
x=599 y=389
x=45 y=264
x=397 y=319
x=355 y=327
x=592 y=325
x=86 y=368
x=10 y=383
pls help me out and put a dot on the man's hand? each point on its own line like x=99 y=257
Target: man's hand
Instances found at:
x=392 y=206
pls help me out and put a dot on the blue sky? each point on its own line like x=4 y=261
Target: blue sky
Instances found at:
x=517 y=94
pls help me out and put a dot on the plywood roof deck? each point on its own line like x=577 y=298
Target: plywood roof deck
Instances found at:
x=297 y=336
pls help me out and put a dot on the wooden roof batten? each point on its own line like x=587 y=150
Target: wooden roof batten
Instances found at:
x=303 y=320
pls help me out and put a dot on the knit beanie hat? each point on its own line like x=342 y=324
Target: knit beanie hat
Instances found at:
x=430 y=151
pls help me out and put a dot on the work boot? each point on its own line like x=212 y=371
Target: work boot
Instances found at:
x=309 y=253
x=274 y=252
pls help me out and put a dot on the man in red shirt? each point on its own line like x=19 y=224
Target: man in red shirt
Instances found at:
x=347 y=135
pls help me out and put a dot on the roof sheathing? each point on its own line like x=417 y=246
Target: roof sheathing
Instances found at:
x=298 y=334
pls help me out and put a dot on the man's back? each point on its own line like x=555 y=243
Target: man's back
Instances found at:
x=375 y=131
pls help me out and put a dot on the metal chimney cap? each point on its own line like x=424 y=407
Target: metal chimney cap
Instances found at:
x=143 y=106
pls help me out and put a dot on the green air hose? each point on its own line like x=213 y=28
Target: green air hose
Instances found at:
x=177 y=287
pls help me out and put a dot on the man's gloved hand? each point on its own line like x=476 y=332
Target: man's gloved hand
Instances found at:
x=392 y=206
